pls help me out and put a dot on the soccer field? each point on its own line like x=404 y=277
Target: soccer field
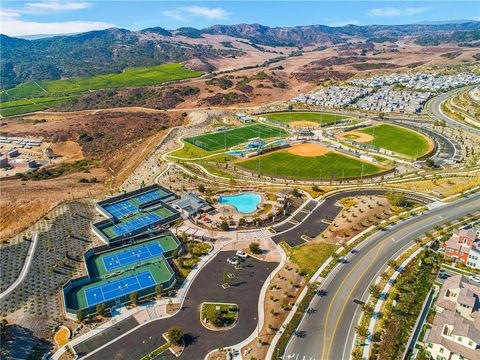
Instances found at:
x=222 y=140
x=398 y=139
x=330 y=165
x=142 y=76
x=316 y=117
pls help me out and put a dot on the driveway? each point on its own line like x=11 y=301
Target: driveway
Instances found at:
x=244 y=290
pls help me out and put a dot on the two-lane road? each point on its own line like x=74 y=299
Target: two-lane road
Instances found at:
x=327 y=331
x=434 y=107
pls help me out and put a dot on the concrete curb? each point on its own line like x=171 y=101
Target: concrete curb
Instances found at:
x=26 y=267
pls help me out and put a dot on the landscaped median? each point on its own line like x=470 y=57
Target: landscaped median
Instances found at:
x=219 y=316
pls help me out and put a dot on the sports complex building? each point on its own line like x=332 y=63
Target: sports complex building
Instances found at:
x=135 y=257
x=114 y=274
x=134 y=213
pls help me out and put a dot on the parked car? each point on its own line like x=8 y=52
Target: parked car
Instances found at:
x=474 y=278
x=242 y=254
x=232 y=261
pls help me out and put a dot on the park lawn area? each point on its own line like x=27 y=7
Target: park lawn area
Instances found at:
x=330 y=165
x=214 y=170
x=190 y=151
x=219 y=314
x=18 y=107
x=320 y=118
x=397 y=139
x=141 y=76
x=310 y=256
x=222 y=140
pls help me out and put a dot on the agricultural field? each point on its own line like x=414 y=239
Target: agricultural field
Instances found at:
x=403 y=141
x=314 y=117
x=142 y=76
x=326 y=166
x=18 y=107
x=222 y=140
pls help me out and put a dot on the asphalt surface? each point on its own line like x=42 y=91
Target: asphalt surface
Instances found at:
x=244 y=291
x=434 y=107
x=327 y=330
x=319 y=219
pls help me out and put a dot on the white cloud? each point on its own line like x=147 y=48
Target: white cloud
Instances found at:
x=175 y=14
x=12 y=23
x=209 y=13
x=185 y=14
x=17 y=27
x=392 y=11
x=47 y=6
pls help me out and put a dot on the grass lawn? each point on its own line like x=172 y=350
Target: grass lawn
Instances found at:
x=219 y=314
x=397 y=139
x=141 y=76
x=222 y=140
x=320 y=118
x=18 y=107
x=309 y=257
x=190 y=151
x=330 y=165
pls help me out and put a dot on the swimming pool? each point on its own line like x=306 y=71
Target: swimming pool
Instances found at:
x=244 y=203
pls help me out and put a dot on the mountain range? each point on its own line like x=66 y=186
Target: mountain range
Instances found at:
x=112 y=50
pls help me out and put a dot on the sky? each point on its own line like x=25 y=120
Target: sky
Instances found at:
x=32 y=17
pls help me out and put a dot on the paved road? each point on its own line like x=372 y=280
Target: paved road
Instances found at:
x=328 y=331
x=319 y=219
x=434 y=107
x=244 y=290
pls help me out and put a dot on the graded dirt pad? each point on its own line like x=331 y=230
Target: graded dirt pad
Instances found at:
x=308 y=150
x=359 y=137
x=304 y=124
x=68 y=150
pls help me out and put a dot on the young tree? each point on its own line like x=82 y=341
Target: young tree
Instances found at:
x=100 y=308
x=224 y=226
x=79 y=315
x=175 y=335
x=134 y=298
x=255 y=248
x=201 y=188
x=159 y=289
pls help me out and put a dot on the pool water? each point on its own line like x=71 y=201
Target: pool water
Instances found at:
x=244 y=203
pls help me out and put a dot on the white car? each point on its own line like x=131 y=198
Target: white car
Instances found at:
x=475 y=278
x=242 y=254
x=232 y=261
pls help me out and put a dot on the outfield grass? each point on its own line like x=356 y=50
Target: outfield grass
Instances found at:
x=330 y=165
x=142 y=76
x=320 y=118
x=397 y=139
x=222 y=140
x=18 y=107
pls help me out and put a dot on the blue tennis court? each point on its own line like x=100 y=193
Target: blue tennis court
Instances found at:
x=115 y=289
x=131 y=256
x=121 y=208
x=135 y=224
x=150 y=196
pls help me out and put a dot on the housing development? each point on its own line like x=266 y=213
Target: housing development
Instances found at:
x=208 y=187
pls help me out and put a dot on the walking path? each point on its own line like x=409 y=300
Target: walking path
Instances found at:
x=26 y=267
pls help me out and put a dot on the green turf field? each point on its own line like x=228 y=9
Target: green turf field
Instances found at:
x=330 y=165
x=320 y=118
x=222 y=140
x=397 y=139
x=142 y=76
x=18 y=107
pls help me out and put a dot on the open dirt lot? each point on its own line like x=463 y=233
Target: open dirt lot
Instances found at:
x=308 y=150
x=25 y=202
